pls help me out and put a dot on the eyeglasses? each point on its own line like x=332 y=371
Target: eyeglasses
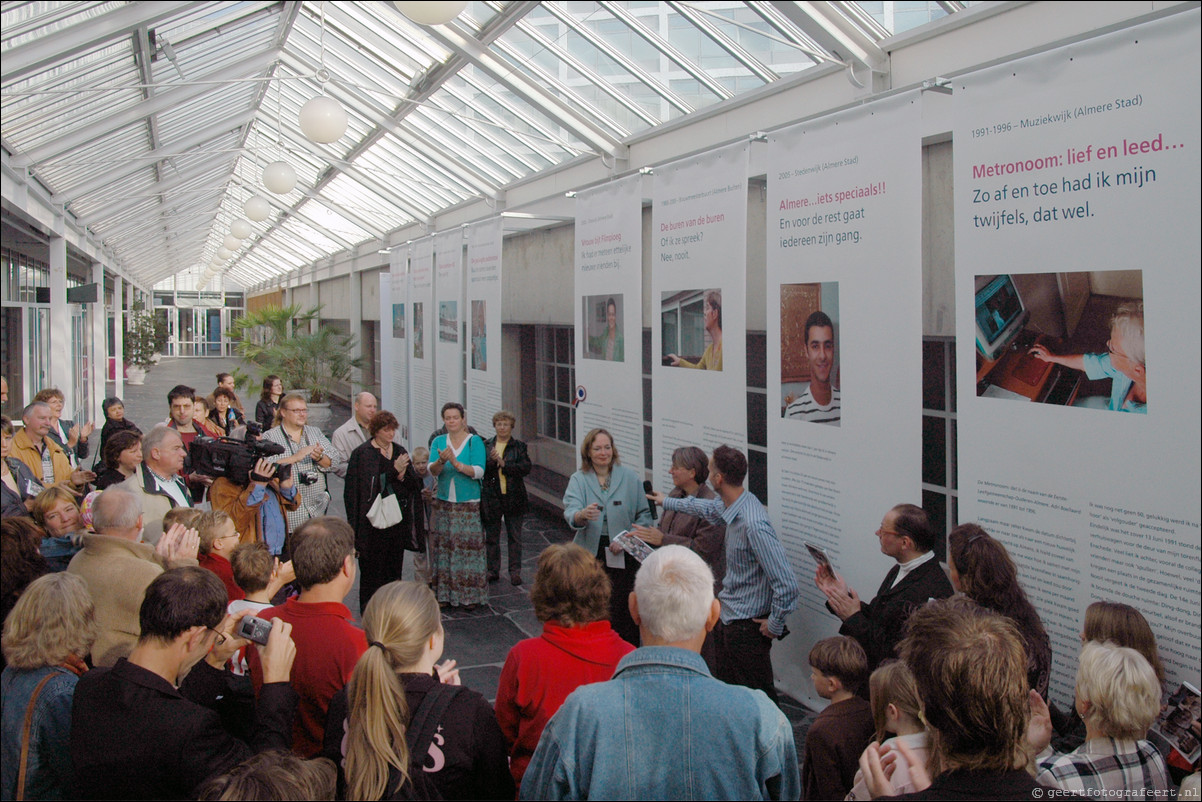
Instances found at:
x=220 y=638
x=296 y=409
x=884 y=531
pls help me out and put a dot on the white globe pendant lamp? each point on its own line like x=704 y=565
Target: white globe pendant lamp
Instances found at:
x=279 y=177
x=431 y=13
x=257 y=208
x=323 y=120
x=241 y=228
x=231 y=243
x=224 y=253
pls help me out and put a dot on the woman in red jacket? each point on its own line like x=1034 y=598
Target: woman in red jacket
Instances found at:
x=571 y=598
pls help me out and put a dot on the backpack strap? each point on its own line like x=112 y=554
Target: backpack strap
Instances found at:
x=423 y=725
x=26 y=733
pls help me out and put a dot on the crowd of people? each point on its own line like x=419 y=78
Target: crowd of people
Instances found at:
x=177 y=629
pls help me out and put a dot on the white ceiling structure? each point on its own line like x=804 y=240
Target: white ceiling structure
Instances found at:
x=149 y=124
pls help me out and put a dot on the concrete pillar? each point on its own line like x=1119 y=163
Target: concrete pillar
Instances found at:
x=97 y=351
x=118 y=316
x=62 y=372
x=356 y=326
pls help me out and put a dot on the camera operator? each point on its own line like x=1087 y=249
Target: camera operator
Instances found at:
x=257 y=504
x=310 y=455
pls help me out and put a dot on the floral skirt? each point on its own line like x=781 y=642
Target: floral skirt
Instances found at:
x=458 y=560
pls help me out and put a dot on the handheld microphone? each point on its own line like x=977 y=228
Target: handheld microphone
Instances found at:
x=647 y=489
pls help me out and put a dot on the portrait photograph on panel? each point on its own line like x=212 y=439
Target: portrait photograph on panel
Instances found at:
x=602 y=316
x=479 y=335
x=419 y=346
x=398 y=321
x=448 y=321
x=809 y=353
x=691 y=329
x=1070 y=339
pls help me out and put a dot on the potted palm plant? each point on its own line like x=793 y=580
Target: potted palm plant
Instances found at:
x=278 y=340
x=139 y=344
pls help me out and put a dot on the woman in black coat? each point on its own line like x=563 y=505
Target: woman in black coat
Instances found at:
x=382 y=551
x=508 y=460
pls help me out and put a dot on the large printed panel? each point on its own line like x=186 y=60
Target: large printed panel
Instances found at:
x=484 y=323
x=1077 y=207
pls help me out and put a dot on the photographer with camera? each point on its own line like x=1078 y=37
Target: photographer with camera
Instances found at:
x=309 y=454
x=256 y=500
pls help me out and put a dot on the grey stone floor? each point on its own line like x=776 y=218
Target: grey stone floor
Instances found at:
x=478 y=640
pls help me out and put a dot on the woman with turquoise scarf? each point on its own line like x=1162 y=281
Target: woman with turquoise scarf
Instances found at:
x=458 y=560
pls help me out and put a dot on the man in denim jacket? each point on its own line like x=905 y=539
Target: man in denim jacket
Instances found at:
x=663 y=727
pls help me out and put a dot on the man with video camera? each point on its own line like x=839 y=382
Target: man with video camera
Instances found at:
x=254 y=492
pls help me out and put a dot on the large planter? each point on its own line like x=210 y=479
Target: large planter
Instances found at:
x=135 y=375
x=319 y=415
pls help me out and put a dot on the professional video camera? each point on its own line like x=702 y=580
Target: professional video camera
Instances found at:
x=234 y=459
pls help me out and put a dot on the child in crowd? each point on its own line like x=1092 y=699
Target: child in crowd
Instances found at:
x=218 y=539
x=838 y=668
x=181 y=515
x=421 y=464
x=260 y=576
x=896 y=711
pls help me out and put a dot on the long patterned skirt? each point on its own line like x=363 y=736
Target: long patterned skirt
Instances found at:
x=458 y=560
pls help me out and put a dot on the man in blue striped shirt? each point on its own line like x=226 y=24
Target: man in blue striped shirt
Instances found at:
x=759 y=589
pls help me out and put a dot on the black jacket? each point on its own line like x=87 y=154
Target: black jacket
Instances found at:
x=265 y=413
x=880 y=623
x=468 y=759
x=110 y=428
x=363 y=471
x=516 y=468
x=135 y=736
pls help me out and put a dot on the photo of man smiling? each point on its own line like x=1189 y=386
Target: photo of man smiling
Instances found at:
x=820 y=401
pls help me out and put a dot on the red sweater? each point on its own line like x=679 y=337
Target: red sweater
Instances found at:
x=225 y=572
x=328 y=644
x=539 y=674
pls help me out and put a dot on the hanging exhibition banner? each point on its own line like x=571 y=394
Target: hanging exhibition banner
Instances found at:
x=609 y=312
x=395 y=336
x=698 y=287
x=844 y=273
x=1076 y=185
x=423 y=414
x=484 y=323
x=448 y=291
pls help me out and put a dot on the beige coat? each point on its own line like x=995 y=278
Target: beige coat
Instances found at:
x=117 y=573
x=155 y=502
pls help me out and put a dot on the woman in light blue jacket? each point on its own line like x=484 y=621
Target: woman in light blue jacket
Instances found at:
x=603 y=499
x=458 y=560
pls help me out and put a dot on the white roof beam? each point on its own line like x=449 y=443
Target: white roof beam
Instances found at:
x=165 y=100
x=831 y=30
x=89 y=34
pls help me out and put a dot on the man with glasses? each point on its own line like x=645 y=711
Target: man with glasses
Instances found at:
x=310 y=454
x=147 y=727
x=906 y=536
x=1123 y=363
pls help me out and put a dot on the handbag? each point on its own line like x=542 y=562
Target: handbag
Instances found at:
x=385 y=511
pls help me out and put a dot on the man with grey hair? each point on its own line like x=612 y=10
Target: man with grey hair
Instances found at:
x=42 y=455
x=687 y=735
x=354 y=432
x=157 y=481
x=118 y=567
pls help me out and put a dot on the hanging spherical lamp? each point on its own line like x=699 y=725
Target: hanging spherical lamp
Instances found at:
x=241 y=228
x=231 y=243
x=224 y=253
x=431 y=13
x=257 y=208
x=322 y=120
x=279 y=177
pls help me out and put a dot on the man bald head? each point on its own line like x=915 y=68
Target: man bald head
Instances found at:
x=366 y=407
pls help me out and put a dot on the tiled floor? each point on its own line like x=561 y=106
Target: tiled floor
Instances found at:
x=478 y=640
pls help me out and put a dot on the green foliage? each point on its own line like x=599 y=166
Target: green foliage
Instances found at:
x=141 y=337
x=277 y=340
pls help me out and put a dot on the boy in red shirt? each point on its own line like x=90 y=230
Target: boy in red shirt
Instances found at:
x=218 y=539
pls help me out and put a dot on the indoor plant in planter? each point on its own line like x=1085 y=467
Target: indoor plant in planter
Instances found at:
x=313 y=362
x=139 y=344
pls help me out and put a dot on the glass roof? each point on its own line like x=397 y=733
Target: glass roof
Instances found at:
x=151 y=123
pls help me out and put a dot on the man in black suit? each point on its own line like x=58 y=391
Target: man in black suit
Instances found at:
x=135 y=735
x=906 y=536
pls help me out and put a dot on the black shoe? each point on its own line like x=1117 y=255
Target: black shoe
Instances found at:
x=515 y=578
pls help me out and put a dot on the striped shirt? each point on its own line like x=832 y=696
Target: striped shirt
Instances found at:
x=1106 y=764
x=807 y=409
x=759 y=581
